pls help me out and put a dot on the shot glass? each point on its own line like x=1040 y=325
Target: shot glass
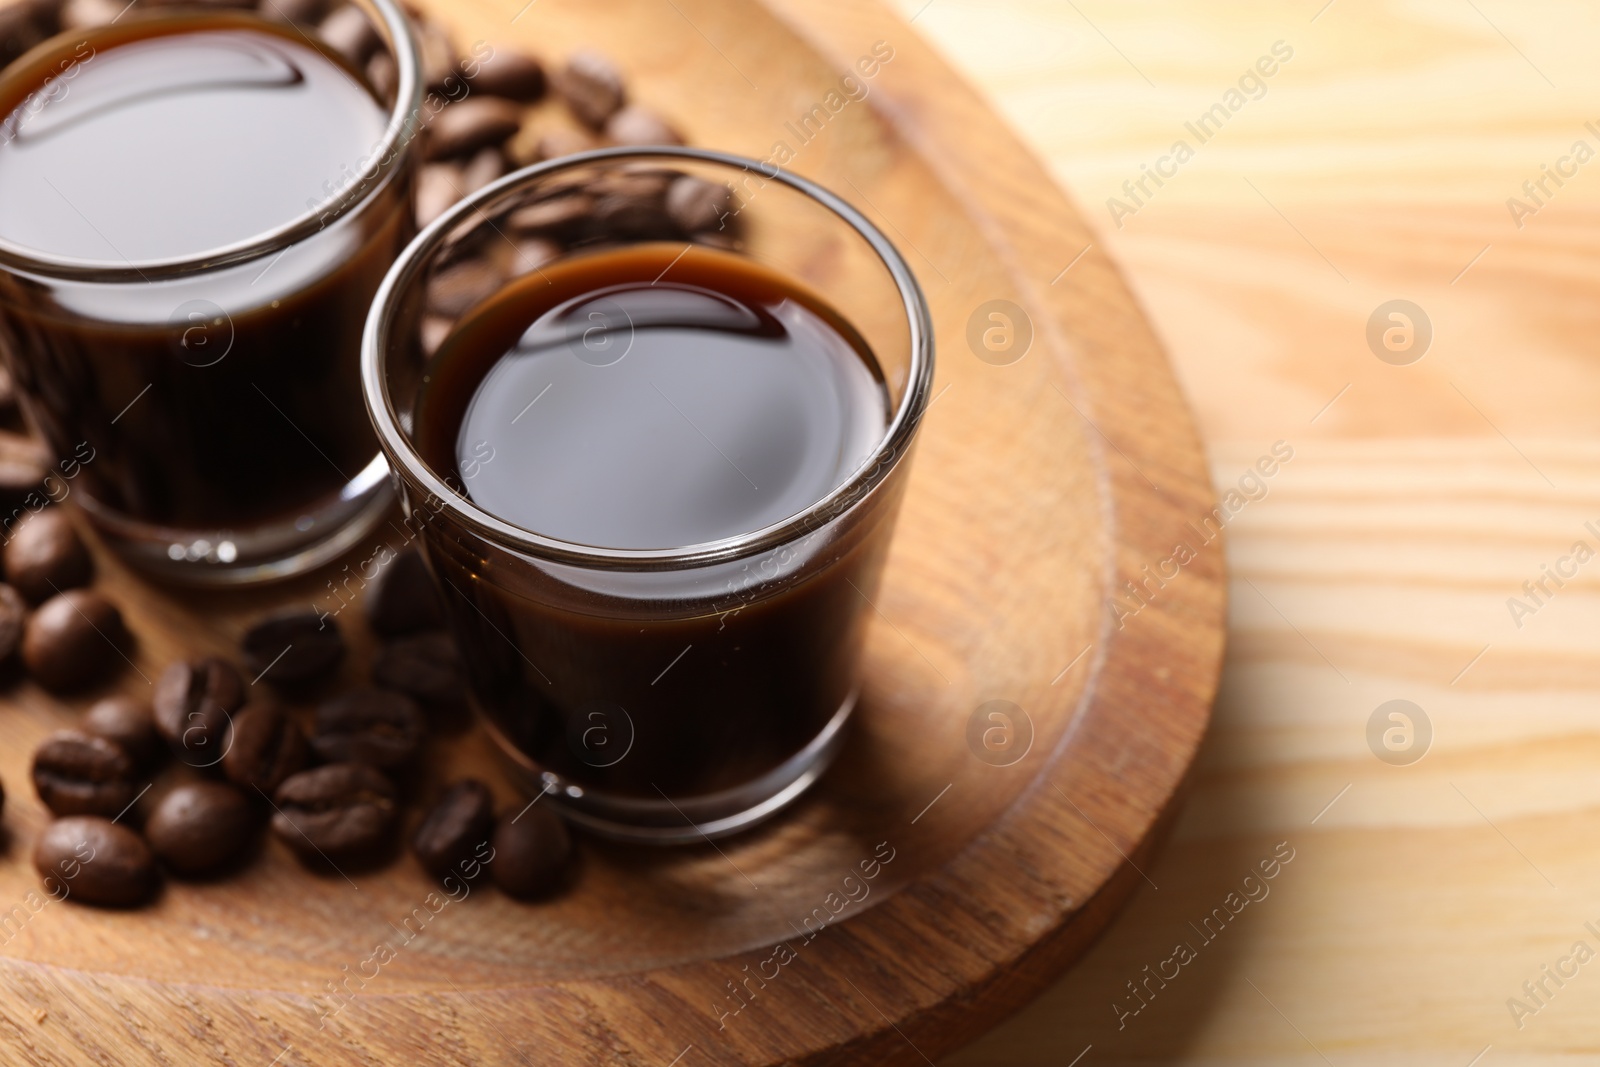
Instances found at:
x=676 y=694
x=218 y=393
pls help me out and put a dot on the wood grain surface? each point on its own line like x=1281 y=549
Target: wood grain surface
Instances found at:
x=1377 y=165
x=1041 y=484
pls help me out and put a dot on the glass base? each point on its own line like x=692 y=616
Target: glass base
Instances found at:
x=265 y=553
x=692 y=819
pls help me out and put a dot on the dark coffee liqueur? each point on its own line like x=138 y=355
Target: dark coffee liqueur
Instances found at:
x=169 y=139
x=652 y=398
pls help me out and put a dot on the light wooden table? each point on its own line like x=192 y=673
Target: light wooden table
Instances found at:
x=1376 y=164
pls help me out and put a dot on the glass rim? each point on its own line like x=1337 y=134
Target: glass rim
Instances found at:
x=401 y=127
x=886 y=455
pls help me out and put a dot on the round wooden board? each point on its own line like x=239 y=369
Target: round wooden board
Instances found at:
x=1040 y=488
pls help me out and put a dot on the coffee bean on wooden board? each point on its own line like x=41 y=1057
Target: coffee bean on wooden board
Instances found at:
x=96 y=861
x=697 y=205
x=560 y=218
x=193 y=703
x=200 y=828
x=265 y=746
x=73 y=640
x=460 y=286
x=439 y=59
x=456 y=830
x=349 y=32
x=638 y=125
x=131 y=724
x=293 y=647
x=384 y=75
x=531 y=852
x=423 y=666
x=485 y=166
x=470 y=124
x=77 y=773
x=13 y=621
x=45 y=556
x=377 y=727
x=342 y=813
x=510 y=73
x=591 y=86
x=632 y=205
x=556 y=143
x=24 y=463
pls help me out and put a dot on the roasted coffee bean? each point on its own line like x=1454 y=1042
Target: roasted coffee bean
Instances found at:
x=8 y=395
x=531 y=253
x=384 y=74
x=696 y=204
x=561 y=218
x=402 y=597
x=131 y=724
x=18 y=32
x=424 y=666
x=439 y=60
x=265 y=746
x=531 y=850
x=638 y=125
x=488 y=165
x=591 y=86
x=77 y=773
x=193 y=702
x=558 y=143
x=299 y=12
x=73 y=640
x=510 y=73
x=454 y=289
x=456 y=830
x=24 y=463
x=13 y=620
x=373 y=726
x=470 y=124
x=45 y=556
x=342 y=813
x=293 y=647
x=97 y=861
x=349 y=32
x=439 y=186
x=634 y=206
x=199 y=828
x=87 y=14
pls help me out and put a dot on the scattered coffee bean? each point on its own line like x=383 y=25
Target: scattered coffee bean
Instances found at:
x=342 y=813
x=510 y=73
x=454 y=289
x=384 y=74
x=293 y=647
x=531 y=851
x=24 y=463
x=439 y=186
x=424 y=666
x=561 y=218
x=372 y=726
x=199 y=828
x=470 y=124
x=638 y=125
x=299 y=12
x=87 y=14
x=13 y=620
x=439 y=60
x=95 y=860
x=531 y=253
x=349 y=32
x=73 y=640
x=131 y=724
x=559 y=142
x=591 y=86
x=18 y=32
x=45 y=556
x=456 y=830
x=696 y=204
x=403 y=598
x=77 y=773
x=264 y=747
x=193 y=701
x=487 y=166
x=633 y=205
